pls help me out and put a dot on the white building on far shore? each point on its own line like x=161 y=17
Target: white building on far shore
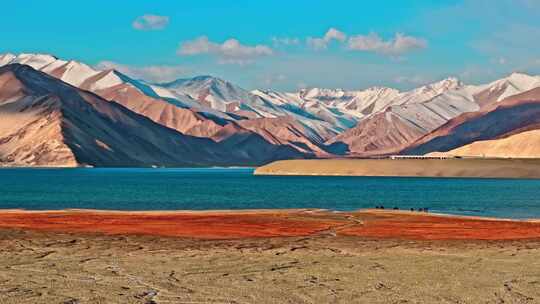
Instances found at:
x=423 y=157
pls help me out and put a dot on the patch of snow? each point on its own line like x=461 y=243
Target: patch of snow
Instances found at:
x=109 y=80
x=76 y=73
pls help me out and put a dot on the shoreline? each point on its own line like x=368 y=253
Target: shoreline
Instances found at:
x=246 y=224
x=263 y=211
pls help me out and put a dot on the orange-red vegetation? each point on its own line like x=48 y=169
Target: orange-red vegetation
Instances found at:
x=436 y=227
x=202 y=225
x=238 y=225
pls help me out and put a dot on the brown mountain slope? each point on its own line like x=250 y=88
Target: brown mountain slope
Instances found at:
x=404 y=123
x=511 y=116
x=400 y=125
x=206 y=125
x=522 y=145
x=30 y=128
x=47 y=122
x=285 y=131
x=186 y=121
x=379 y=134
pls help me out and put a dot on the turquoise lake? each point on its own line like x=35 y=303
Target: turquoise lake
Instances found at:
x=218 y=189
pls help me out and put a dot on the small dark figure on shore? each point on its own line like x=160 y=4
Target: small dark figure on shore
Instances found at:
x=382 y=207
x=412 y=209
x=396 y=208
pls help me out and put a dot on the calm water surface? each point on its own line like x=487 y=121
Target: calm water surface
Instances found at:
x=206 y=189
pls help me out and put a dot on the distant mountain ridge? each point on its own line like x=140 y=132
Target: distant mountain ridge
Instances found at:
x=266 y=125
x=47 y=122
x=399 y=125
x=513 y=115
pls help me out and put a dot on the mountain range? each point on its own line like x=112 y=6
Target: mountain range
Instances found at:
x=56 y=112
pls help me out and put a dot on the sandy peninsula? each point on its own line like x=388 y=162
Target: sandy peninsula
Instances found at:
x=467 y=167
x=288 y=256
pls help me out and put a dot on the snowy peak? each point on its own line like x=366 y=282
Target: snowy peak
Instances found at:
x=375 y=93
x=333 y=94
x=439 y=87
x=200 y=82
x=522 y=77
x=429 y=91
x=6 y=58
x=323 y=94
x=353 y=102
x=211 y=92
x=75 y=73
x=37 y=61
x=103 y=80
x=500 y=89
x=516 y=80
x=72 y=72
x=381 y=90
x=522 y=81
x=450 y=83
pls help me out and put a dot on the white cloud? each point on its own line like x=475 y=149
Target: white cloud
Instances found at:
x=322 y=43
x=150 y=22
x=229 y=52
x=396 y=46
x=285 y=41
x=400 y=44
x=151 y=73
x=317 y=43
x=335 y=34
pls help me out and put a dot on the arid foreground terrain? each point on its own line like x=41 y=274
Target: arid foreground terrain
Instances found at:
x=296 y=256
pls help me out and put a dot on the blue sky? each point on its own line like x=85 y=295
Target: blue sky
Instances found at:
x=286 y=44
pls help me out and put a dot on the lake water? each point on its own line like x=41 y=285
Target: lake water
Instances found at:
x=211 y=189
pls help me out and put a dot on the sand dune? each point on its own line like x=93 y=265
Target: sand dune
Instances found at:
x=481 y=168
x=524 y=145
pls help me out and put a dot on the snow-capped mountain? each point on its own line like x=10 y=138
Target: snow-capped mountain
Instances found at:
x=212 y=92
x=47 y=122
x=316 y=121
x=416 y=114
x=357 y=103
x=429 y=91
x=345 y=109
x=325 y=112
x=490 y=131
x=180 y=105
